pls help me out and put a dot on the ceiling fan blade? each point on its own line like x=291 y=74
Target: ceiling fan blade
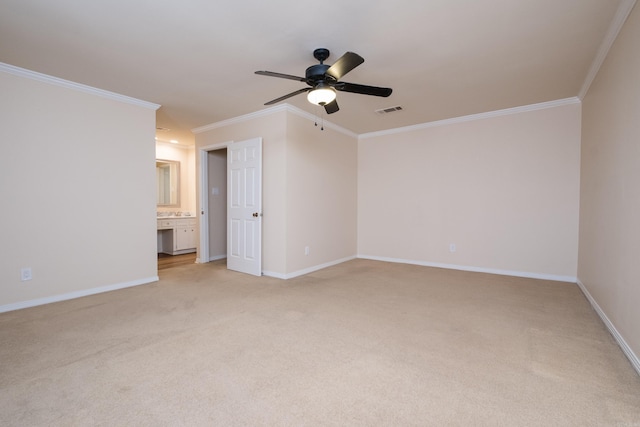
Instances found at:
x=344 y=64
x=331 y=107
x=363 y=89
x=282 y=76
x=289 y=95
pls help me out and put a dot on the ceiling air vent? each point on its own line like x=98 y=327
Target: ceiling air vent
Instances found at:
x=389 y=110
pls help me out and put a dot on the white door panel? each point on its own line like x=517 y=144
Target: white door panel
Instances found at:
x=244 y=243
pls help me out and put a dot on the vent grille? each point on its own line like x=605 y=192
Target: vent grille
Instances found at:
x=389 y=110
x=160 y=129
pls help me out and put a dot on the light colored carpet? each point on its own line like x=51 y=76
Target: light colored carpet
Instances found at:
x=361 y=343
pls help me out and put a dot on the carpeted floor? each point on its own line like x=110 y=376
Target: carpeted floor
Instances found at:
x=363 y=343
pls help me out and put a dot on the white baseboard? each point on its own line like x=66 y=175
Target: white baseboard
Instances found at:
x=274 y=274
x=306 y=270
x=76 y=294
x=213 y=258
x=570 y=279
x=633 y=358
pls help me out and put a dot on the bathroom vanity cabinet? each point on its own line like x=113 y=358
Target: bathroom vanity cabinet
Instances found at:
x=177 y=235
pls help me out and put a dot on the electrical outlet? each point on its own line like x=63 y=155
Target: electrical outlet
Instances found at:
x=452 y=247
x=25 y=274
x=306 y=250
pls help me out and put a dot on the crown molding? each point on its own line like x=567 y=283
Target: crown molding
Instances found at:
x=240 y=119
x=472 y=117
x=311 y=117
x=44 y=78
x=268 y=112
x=314 y=118
x=614 y=29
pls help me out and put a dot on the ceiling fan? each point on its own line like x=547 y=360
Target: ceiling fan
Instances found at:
x=323 y=81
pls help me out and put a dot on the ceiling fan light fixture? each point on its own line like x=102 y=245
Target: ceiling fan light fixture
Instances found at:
x=321 y=95
x=324 y=80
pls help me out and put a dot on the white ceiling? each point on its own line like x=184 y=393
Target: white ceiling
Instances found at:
x=443 y=58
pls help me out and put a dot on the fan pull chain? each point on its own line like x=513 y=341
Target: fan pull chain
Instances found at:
x=315 y=123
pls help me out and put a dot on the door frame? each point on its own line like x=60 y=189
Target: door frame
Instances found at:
x=203 y=197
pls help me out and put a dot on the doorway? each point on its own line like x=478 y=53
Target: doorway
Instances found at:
x=211 y=154
x=230 y=182
x=217 y=203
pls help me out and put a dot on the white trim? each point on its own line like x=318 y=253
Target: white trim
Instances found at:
x=267 y=112
x=203 y=212
x=635 y=361
x=216 y=146
x=76 y=294
x=306 y=270
x=274 y=275
x=240 y=119
x=21 y=72
x=203 y=208
x=624 y=9
x=529 y=275
x=445 y=122
x=217 y=257
x=313 y=118
x=472 y=117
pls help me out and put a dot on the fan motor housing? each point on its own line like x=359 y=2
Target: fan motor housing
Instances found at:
x=316 y=73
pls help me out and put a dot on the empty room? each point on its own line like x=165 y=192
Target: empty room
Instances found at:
x=339 y=213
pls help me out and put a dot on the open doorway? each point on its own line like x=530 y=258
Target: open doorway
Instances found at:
x=217 y=203
x=231 y=205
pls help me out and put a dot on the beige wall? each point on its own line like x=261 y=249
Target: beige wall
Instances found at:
x=321 y=195
x=609 y=267
x=186 y=157
x=309 y=189
x=78 y=192
x=503 y=189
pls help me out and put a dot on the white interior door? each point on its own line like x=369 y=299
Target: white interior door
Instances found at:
x=244 y=206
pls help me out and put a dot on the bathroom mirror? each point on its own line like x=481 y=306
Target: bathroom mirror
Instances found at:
x=168 y=182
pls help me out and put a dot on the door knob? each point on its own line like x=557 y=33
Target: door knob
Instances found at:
x=255 y=214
